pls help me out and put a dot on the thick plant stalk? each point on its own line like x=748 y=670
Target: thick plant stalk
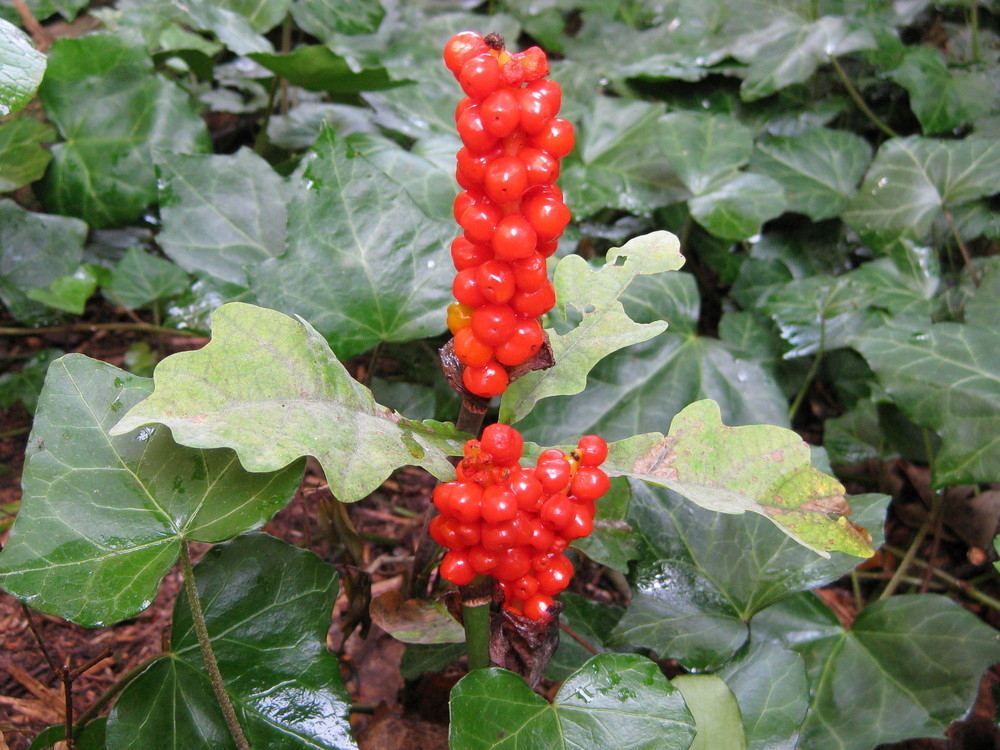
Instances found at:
x=198 y=616
x=476 y=600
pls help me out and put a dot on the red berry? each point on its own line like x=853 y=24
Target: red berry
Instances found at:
x=455 y=567
x=487 y=381
x=549 y=90
x=541 y=537
x=470 y=351
x=461 y=47
x=541 y=168
x=504 y=443
x=524 y=587
x=480 y=221
x=529 y=273
x=465 y=502
x=465 y=288
x=482 y=559
x=591 y=449
x=505 y=179
x=514 y=563
x=499 y=504
x=535 y=111
x=471 y=168
x=589 y=483
x=495 y=280
x=555 y=576
x=480 y=76
x=557 y=512
x=525 y=341
x=556 y=137
x=547 y=215
x=538 y=606
x=500 y=112
x=497 y=537
x=523 y=531
x=533 y=304
x=465 y=254
x=443 y=531
x=526 y=489
x=513 y=238
x=580 y=526
x=472 y=130
x=493 y=324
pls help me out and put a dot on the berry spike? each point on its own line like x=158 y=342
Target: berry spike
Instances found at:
x=510 y=212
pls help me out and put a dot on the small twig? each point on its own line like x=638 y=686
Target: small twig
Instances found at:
x=856 y=98
x=962 y=247
x=42 y=38
x=578 y=638
x=144 y=328
x=120 y=684
x=974 y=28
x=372 y=362
x=38 y=639
x=800 y=396
x=908 y=559
x=964 y=587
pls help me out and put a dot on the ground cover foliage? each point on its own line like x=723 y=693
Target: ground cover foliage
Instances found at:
x=824 y=175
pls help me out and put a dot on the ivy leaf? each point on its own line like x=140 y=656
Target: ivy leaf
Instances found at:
x=220 y=213
x=614 y=700
x=760 y=468
x=36 y=249
x=604 y=327
x=321 y=18
x=737 y=208
x=267 y=609
x=592 y=621
x=706 y=574
x=112 y=110
x=907 y=667
x=141 y=278
x=102 y=517
x=794 y=50
x=913 y=182
x=819 y=169
x=269 y=387
x=946 y=377
x=318 y=68
x=70 y=292
x=22 y=156
x=21 y=68
x=25 y=384
x=716 y=713
x=941 y=98
x=705 y=149
x=364 y=263
x=617 y=162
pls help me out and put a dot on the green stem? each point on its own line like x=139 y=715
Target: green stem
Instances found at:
x=962 y=247
x=908 y=559
x=198 y=617
x=141 y=327
x=800 y=396
x=476 y=600
x=856 y=98
x=974 y=28
x=964 y=586
x=120 y=684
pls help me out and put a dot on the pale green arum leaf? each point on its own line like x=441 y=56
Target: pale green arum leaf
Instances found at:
x=705 y=150
x=317 y=68
x=640 y=389
x=269 y=387
x=21 y=68
x=141 y=278
x=615 y=700
x=592 y=621
x=672 y=297
x=69 y=293
x=364 y=263
x=945 y=377
x=915 y=182
x=102 y=517
x=617 y=162
x=943 y=98
x=322 y=19
x=220 y=213
x=706 y=574
x=772 y=690
x=36 y=249
x=759 y=468
x=716 y=713
x=112 y=111
x=22 y=156
x=819 y=169
x=793 y=51
x=736 y=208
x=604 y=327
x=25 y=384
x=907 y=667
x=267 y=610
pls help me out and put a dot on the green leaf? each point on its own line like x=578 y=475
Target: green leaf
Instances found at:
x=318 y=68
x=716 y=713
x=233 y=29
x=25 y=384
x=913 y=182
x=90 y=737
x=604 y=327
x=792 y=51
x=819 y=169
x=614 y=700
x=70 y=292
x=415 y=620
x=141 y=278
x=269 y=387
x=419 y=659
x=321 y=18
x=267 y=609
x=672 y=297
x=907 y=667
x=945 y=377
x=737 y=208
x=770 y=685
x=942 y=98
x=220 y=213
x=707 y=573
x=112 y=110
x=22 y=156
x=592 y=621
x=612 y=542
x=760 y=468
x=617 y=162
x=102 y=517
x=364 y=263
x=21 y=68
x=705 y=150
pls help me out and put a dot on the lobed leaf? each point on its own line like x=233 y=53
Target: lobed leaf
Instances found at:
x=21 y=68
x=22 y=156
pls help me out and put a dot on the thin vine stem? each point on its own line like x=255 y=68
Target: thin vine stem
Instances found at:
x=141 y=327
x=964 y=587
x=198 y=617
x=811 y=375
x=909 y=558
x=974 y=29
x=856 y=98
x=963 y=248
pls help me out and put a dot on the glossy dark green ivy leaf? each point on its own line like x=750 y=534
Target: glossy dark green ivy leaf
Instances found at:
x=21 y=68
x=22 y=156
x=737 y=208
x=70 y=292
x=907 y=667
x=269 y=387
x=913 y=182
x=321 y=18
x=102 y=517
x=615 y=700
x=90 y=737
x=603 y=328
x=112 y=110
x=220 y=212
x=318 y=68
x=612 y=542
x=716 y=713
x=364 y=263
x=591 y=621
x=141 y=278
x=946 y=377
x=25 y=384
x=267 y=608
x=672 y=297
x=943 y=98
x=819 y=169
x=772 y=690
x=707 y=573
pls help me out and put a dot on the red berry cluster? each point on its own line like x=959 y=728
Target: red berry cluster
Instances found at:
x=514 y=523
x=510 y=210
